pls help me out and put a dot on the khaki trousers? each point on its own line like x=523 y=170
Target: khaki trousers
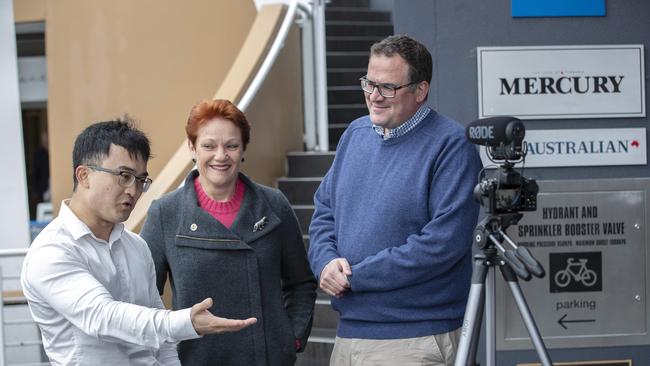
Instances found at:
x=435 y=350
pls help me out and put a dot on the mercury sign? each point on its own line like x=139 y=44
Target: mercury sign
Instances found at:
x=553 y=82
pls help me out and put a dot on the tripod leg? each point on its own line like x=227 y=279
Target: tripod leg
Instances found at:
x=476 y=331
x=490 y=319
x=526 y=316
x=466 y=354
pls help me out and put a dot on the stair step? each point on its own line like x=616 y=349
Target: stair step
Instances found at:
x=309 y=164
x=319 y=348
x=343 y=28
x=335 y=131
x=350 y=43
x=356 y=14
x=349 y=3
x=322 y=335
x=345 y=113
x=340 y=88
x=338 y=59
x=359 y=23
x=304 y=214
x=324 y=316
x=345 y=95
x=299 y=191
x=345 y=76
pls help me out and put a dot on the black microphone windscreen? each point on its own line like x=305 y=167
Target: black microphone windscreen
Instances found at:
x=492 y=131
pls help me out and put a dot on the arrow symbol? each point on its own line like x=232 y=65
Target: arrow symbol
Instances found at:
x=561 y=321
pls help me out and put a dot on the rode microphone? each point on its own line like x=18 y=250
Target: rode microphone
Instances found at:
x=495 y=131
x=503 y=137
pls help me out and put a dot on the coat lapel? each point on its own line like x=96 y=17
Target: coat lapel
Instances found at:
x=256 y=218
x=197 y=228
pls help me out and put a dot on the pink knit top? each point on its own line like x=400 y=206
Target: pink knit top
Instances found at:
x=225 y=212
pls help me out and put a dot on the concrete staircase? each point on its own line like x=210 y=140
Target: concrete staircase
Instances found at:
x=304 y=173
x=351 y=28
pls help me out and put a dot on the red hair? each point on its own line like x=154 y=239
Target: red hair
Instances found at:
x=208 y=109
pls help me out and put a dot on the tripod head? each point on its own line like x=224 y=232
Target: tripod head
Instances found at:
x=490 y=234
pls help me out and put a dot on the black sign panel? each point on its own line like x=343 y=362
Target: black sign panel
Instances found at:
x=576 y=272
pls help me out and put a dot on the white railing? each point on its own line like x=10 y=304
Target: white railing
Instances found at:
x=314 y=68
x=320 y=65
x=271 y=56
x=4 y=344
x=310 y=135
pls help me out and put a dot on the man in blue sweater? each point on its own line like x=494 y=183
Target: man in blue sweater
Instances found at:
x=392 y=231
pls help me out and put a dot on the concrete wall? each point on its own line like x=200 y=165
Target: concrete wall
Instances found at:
x=29 y=10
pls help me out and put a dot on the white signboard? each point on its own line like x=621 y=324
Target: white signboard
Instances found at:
x=559 y=82
x=584 y=147
x=32 y=78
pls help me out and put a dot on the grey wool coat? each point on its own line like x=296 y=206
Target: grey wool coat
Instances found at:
x=260 y=272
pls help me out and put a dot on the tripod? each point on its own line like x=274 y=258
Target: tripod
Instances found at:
x=518 y=261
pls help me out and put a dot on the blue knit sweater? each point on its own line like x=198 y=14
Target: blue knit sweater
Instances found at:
x=401 y=212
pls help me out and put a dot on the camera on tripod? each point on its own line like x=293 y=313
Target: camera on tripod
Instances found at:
x=506 y=191
x=503 y=194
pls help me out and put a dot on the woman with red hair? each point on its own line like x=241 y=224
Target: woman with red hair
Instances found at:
x=224 y=236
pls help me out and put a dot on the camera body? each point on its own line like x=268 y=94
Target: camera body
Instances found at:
x=507 y=191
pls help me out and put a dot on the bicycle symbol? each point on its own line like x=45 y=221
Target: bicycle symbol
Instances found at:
x=576 y=271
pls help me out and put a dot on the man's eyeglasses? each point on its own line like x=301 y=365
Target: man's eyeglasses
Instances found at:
x=385 y=90
x=126 y=179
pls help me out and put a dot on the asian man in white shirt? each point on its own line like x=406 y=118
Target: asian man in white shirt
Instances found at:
x=90 y=283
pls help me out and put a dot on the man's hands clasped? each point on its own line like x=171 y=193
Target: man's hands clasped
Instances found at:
x=334 y=277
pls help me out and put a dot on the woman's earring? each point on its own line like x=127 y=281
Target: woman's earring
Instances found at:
x=194 y=160
x=243 y=159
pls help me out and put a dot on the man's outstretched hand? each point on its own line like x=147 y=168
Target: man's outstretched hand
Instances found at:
x=205 y=323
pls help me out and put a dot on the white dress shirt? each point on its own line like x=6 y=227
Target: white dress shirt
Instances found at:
x=96 y=302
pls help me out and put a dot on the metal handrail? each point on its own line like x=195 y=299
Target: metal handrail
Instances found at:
x=312 y=21
x=320 y=65
x=17 y=252
x=264 y=69
x=306 y=24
